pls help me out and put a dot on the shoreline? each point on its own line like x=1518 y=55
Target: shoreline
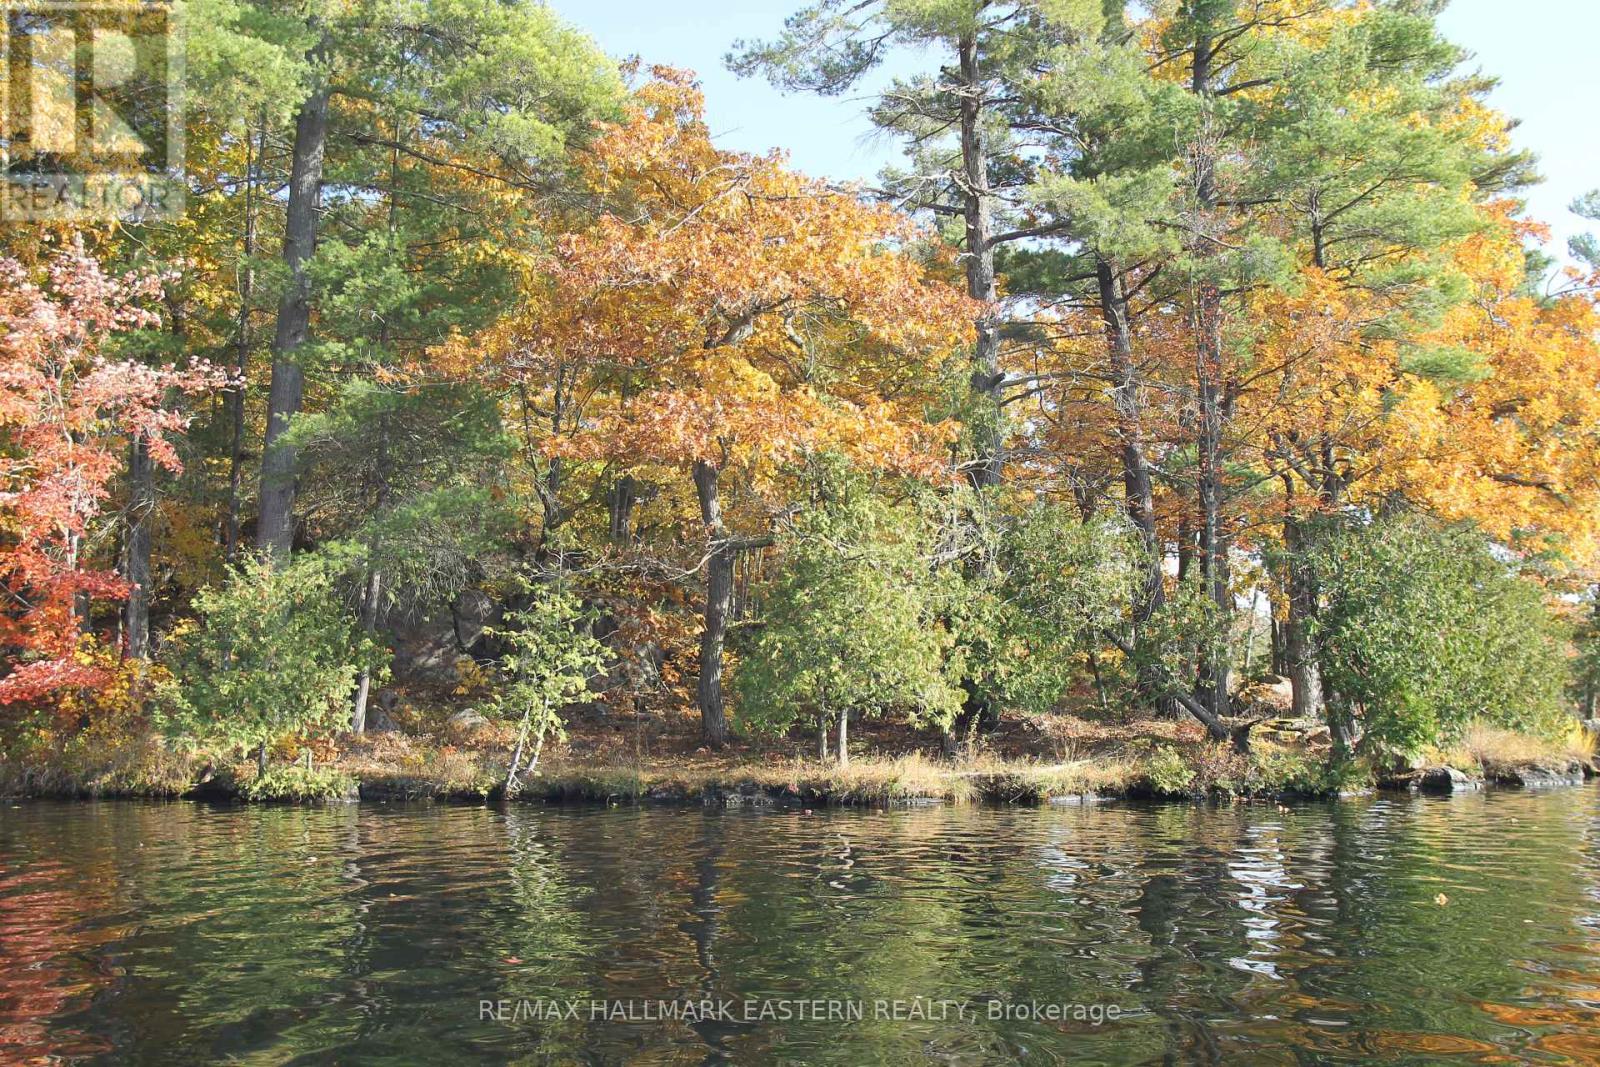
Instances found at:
x=869 y=784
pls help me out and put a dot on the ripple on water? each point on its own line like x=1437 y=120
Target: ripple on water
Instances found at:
x=182 y=933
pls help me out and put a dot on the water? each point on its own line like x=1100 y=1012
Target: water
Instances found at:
x=181 y=933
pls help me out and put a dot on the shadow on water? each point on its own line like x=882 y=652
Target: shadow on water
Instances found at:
x=1386 y=930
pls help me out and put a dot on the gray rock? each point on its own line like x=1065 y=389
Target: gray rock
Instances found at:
x=427 y=645
x=746 y=800
x=1446 y=780
x=380 y=713
x=1537 y=777
x=1073 y=800
x=465 y=723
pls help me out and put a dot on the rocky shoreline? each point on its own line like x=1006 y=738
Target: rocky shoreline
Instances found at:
x=1440 y=779
x=608 y=785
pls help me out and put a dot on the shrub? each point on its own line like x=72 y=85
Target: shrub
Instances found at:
x=850 y=623
x=1169 y=772
x=1067 y=582
x=549 y=659
x=1423 y=630
x=1026 y=597
x=273 y=652
x=1276 y=769
x=295 y=781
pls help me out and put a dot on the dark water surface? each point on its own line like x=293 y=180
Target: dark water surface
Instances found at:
x=180 y=933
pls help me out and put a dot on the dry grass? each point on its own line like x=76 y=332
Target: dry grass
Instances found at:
x=1581 y=743
x=92 y=766
x=1033 y=781
x=1489 y=750
x=621 y=761
x=396 y=764
x=867 y=780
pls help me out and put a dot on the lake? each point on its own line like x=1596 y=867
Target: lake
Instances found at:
x=1392 y=929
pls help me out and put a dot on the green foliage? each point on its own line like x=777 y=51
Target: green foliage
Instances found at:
x=1278 y=770
x=549 y=658
x=1585 y=247
x=1065 y=582
x=1169 y=772
x=405 y=481
x=1423 y=630
x=1186 y=626
x=1586 y=664
x=851 y=623
x=296 y=781
x=274 y=652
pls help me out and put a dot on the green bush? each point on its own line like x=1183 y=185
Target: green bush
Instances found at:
x=1067 y=581
x=1274 y=769
x=1422 y=630
x=1169 y=772
x=851 y=623
x=295 y=781
x=1586 y=663
x=274 y=652
x=550 y=656
x=1027 y=596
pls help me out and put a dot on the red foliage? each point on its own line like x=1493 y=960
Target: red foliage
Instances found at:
x=68 y=414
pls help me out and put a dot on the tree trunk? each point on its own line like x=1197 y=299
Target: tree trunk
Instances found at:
x=141 y=515
x=822 y=737
x=1250 y=632
x=1099 y=683
x=275 y=530
x=1213 y=547
x=1138 y=490
x=1299 y=646
x=844 y=737
x=370 y=596
x=1279 y=667
x=979 y=258
x=1342 y=731
x=372 y=591
x=236 y=394
x=719 y=594
x=624 y=494
x=1216 y=729
x=1212 y=550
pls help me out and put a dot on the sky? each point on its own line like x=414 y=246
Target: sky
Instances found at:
x=1546 y=54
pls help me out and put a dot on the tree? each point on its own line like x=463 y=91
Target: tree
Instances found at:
x=852 y=623
x=1422 y=631
x=274 y=653
x=475 y=103
x=1259 y=291
x=720 y=317
x=67 y=409
x=550 y=660
x=967 y=164
x=1585 y=248
x=1449 y=410
x=407 y=491
x=1099 y=199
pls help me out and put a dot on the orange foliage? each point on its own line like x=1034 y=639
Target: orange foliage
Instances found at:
x=723 y=308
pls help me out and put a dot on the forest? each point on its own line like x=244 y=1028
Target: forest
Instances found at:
x=1191 y=409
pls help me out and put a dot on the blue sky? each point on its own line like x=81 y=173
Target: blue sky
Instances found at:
x=1546 y=53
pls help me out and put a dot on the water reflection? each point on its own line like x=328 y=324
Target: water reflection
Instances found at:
x=181 y=933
